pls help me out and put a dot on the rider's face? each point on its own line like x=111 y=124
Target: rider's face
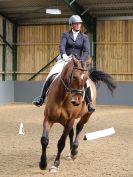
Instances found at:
x=76 y=26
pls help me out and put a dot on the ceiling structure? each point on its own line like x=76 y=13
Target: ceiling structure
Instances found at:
x=34 y=11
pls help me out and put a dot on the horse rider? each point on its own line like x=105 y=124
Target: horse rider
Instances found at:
x=73 y=42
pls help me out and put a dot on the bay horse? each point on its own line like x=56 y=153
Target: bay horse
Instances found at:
x=65 y=103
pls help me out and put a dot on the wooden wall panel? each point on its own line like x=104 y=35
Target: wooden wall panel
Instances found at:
x=1 y=25
x=9 y=32
x=9 y=39
x=8 y=63
x=37 y=45
x=8 y=60
x=115 y=48
x=0 y=62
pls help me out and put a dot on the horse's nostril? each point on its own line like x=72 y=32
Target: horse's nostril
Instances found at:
x=75 y=102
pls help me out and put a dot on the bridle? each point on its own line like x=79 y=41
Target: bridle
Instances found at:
x=68 y=87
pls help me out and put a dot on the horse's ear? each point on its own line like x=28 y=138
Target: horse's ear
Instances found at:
x=75 y=61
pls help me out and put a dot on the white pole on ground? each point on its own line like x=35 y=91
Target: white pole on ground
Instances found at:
x=99 y=134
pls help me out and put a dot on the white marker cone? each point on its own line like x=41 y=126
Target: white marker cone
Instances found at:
x=21 y=129
x=99 y=134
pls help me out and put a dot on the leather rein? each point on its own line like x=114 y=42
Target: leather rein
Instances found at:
x=68 y=87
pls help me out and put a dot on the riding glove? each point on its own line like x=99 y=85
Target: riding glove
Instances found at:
x=66 y=57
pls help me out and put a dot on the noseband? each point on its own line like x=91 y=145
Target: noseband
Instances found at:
x=68 y=87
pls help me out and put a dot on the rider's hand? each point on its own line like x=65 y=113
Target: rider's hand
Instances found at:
x=66 y=57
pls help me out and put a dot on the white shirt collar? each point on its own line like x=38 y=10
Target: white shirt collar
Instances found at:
x=75 y=34
x=75 y=31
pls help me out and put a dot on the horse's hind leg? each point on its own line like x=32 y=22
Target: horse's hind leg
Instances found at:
x=74 y=150
x=44 y=142
x=79 y=127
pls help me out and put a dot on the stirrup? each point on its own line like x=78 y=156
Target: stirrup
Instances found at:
x=38 y=101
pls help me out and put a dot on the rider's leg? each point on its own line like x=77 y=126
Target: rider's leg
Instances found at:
x=40 y=100
x=88 y=97
x=57 y=68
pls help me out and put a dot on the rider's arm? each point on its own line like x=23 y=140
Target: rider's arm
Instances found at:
x=85 y=50
x=63 y=44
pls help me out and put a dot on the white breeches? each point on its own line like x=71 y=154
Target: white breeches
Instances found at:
x=58 y=67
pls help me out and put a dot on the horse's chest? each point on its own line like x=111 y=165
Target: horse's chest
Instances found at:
x=69 y=113
x=62 y=113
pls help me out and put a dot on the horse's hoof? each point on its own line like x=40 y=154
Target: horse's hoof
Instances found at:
x=74 y=154
x=68 y=157
x=43 y=166
x=54 y=169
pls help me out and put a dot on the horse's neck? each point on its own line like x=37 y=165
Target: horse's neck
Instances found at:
x=62 y=81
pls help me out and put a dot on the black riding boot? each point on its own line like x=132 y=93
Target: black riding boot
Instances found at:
x=88 y=100
x=38 y=101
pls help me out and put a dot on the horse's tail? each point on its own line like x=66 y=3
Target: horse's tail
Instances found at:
x=96 y=76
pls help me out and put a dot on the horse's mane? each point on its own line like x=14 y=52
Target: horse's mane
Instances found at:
x=73 y=62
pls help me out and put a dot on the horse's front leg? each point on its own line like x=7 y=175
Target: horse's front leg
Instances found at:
x=79 y=127
x=61 y=144
x=44 y=142
x=71 y=134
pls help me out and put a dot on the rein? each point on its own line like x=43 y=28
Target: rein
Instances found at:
x=82 y=69
x=70 y=89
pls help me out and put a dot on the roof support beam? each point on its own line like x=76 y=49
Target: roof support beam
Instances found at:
x=14 y=53
x=42 y=69
x=13 y=47
x=114 y=12
x=5 y=42
x=118 y=5
x=4 y=16
x=72 y=2
x=4 y=32
x=4 y=52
